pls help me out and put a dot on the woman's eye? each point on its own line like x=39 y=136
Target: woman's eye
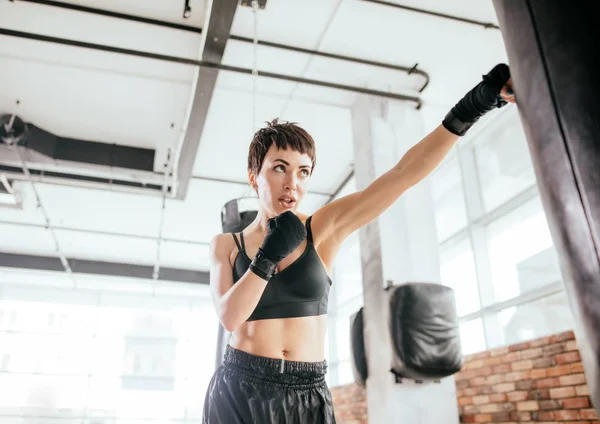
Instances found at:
x=279 y=168
x=305 y=172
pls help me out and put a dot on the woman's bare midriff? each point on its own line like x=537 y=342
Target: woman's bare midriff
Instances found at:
x=291 y=339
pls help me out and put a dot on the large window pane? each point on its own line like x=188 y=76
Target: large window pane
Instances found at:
x=109 y=356
x=522 y=256
x=342 y=327
x=348 y=271
x=545 y=316
x=472 y=337
x=448 y=197
x=503 y=160
x=457 y=268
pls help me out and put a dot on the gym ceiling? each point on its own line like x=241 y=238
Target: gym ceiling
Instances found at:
x=139 y=118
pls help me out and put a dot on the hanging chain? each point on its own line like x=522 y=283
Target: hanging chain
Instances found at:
x=254 y=64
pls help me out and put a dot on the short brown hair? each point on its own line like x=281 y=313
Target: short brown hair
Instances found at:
x=285 y=135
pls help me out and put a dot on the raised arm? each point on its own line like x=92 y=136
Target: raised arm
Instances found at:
x=344 y=216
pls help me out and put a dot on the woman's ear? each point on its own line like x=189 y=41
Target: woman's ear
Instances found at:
x=252 y=180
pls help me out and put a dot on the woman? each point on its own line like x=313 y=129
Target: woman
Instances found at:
x=271 y=282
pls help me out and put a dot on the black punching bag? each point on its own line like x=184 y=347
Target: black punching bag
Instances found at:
x=233 y=220
x=553 y=50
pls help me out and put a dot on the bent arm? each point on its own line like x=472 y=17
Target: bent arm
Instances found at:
x=348 y=214
x=234 y=302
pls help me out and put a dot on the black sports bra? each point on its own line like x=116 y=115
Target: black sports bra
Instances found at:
x=300 y=290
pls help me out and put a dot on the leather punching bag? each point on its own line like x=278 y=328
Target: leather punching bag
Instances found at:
x=553 y=53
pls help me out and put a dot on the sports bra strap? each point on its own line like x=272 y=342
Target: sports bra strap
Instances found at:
x=242 y=240
x=237 y=243
x=308 y=231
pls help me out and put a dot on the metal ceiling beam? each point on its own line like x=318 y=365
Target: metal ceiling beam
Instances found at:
x=486 y=25
x=213 y=66
x=410 y=70
x=215 y=34
x=102 y=12
x=83 y=266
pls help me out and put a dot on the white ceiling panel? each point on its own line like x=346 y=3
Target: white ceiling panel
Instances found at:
x=329 y=125
x=455 y=54
x=268 y=59
x=478 y=10
x=90 y=209
x=79 y=26
x=228 y=131
x=169 y=11
x=198 y=218
x=26 y=240
x=94 y=105
x=300 y=23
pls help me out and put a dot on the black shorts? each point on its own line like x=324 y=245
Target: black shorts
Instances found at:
x=247 y=389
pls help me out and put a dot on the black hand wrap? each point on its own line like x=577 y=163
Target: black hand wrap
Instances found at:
x=284 y=234
x=484 y=97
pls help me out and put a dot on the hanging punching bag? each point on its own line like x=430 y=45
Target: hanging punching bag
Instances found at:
x=233 y=220
x=553 y=52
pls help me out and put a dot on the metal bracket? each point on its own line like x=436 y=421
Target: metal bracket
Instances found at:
x=248 y=3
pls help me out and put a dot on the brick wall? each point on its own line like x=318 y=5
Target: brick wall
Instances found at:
x=350 y=404
x=540 y=381
x=537 y=381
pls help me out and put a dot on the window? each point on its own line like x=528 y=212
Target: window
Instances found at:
x=457 y=268
x=472 y=337
x=522 y=256
x=543 y=317
x=503 y=161
x=448 y=197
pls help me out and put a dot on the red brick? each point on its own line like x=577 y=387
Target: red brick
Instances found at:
x=467 y=419
x=461 y=384
x=480 y=400
x=495 y=379
x=547 y=382
x=465 y=401
x=562 y=392
x=510 y=357
x=504 y=387
x=477 y=381
x=588 y=414
x=492 y=360
x=516 y=396
x=538 y=373
x=518 y=346
x=582 y=390
x=498 y=397
x=470 y=409
x=489 y=408
x=577 y=367
x=562 y=337
x=538 y=394
x=499 y=351
x=571 y=345
x=528 y=405
x=500 y=369
x=470 y=391
x=565 y=415
x=484 y=371
x=572 y=380
x=525 y=385
x=501 y=417
x=479 y=355
x=553 y=349
x=543 y=416
x=483 y=418
x=565 y=358
x=558 y=370
x=531 y=353
x=576 y=403
x=543 y=362
x=522 y=365
x=540 y=342
x=520 y=416
x=476 y=363
x=549 y=404
x=516 y=376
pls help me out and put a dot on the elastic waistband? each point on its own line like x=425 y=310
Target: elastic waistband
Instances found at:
x=274 y=369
